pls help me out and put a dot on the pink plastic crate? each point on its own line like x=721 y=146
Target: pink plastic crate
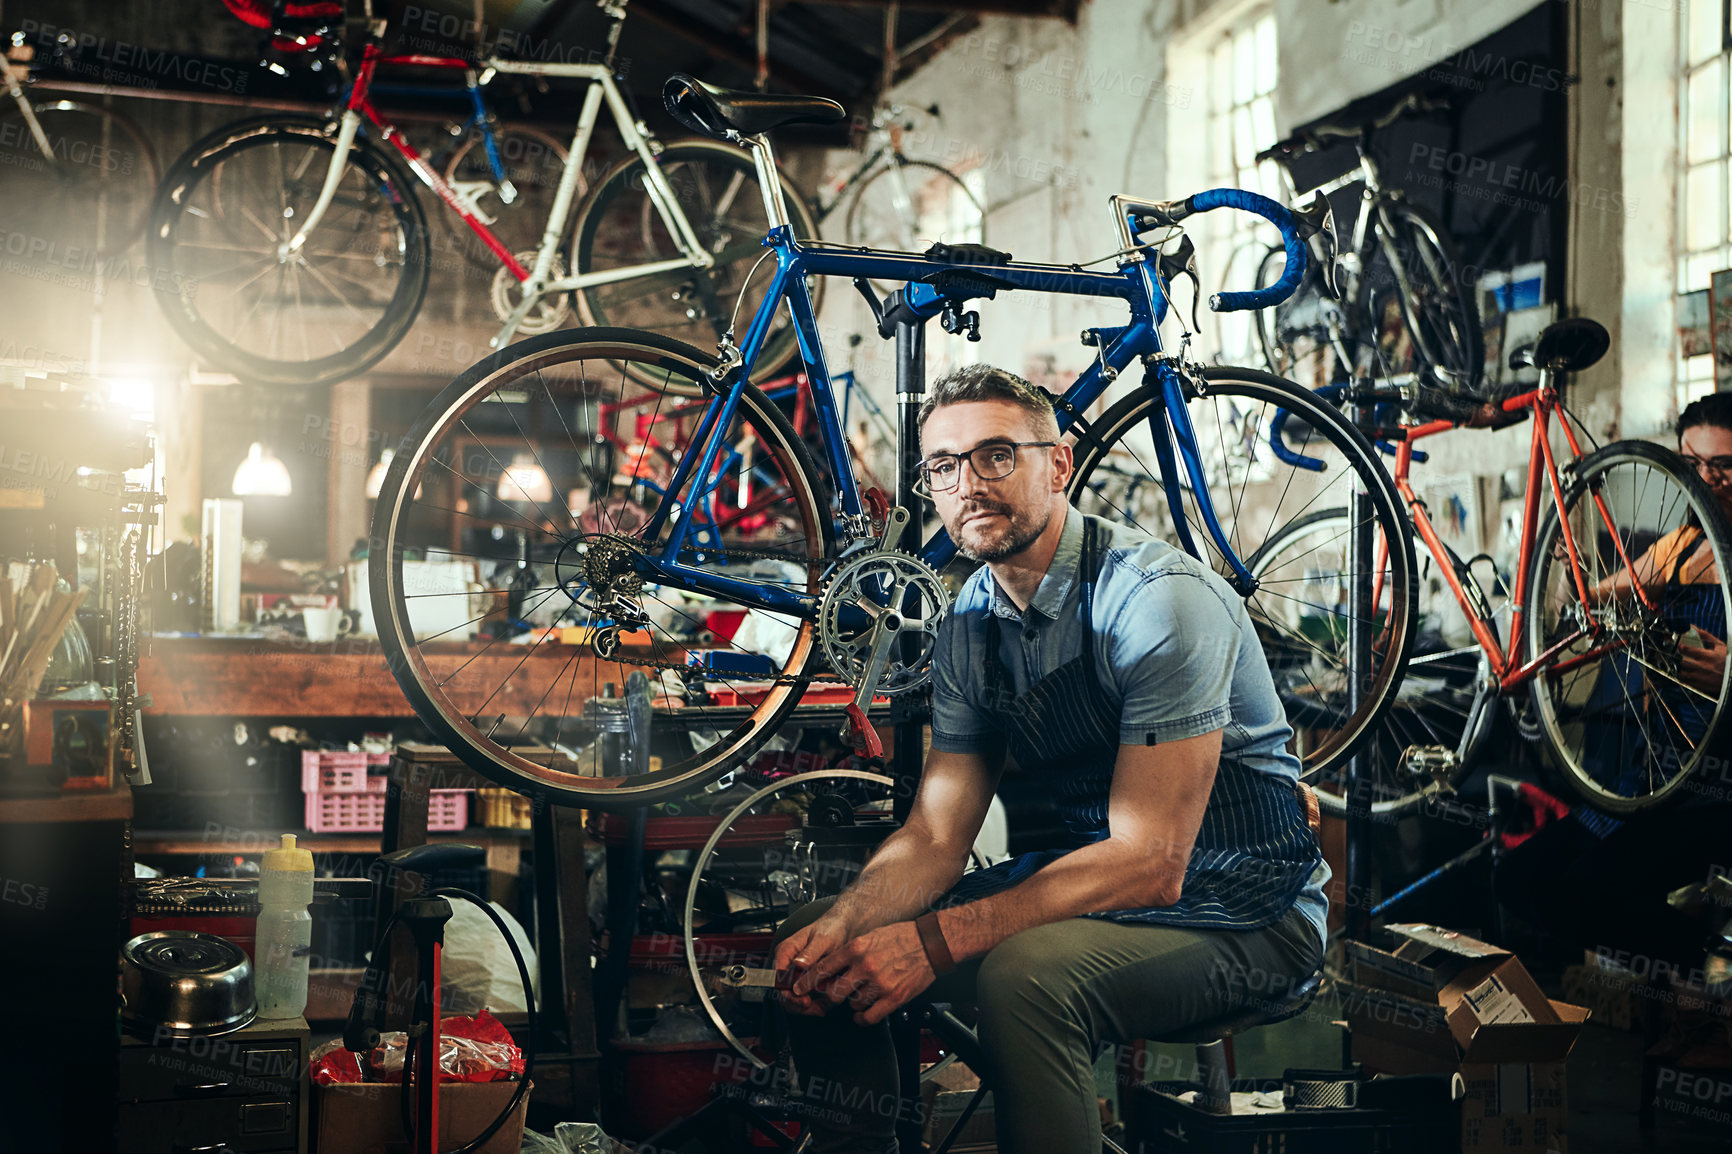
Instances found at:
x=336 y=771
x=447 y=810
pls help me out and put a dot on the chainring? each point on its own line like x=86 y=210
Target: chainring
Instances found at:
x=858 y=592
x=551 y=312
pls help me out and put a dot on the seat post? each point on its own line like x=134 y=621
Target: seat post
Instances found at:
x=769 y=181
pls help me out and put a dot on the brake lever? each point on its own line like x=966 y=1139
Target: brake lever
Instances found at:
x=1318 y=219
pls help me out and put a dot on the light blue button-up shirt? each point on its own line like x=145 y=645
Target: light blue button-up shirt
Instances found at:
x=1175 y=651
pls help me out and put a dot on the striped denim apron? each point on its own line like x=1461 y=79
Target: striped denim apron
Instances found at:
x=1254 y=852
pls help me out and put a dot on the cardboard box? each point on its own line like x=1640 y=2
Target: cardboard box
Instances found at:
x=946 y=1095
x=1421 y=961
x=366 y=1117
x=1617 y=998
x=1519 y=1107
x=1432 y=1001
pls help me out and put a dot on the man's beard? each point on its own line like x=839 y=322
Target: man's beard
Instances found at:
x=1021 y=532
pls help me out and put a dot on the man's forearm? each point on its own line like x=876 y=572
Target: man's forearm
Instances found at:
x=1100 y=877
x=900 y=882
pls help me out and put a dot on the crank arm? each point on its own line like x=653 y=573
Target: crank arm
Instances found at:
x=894 y=524
x=751 y=978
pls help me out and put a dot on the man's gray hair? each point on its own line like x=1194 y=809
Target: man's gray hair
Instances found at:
x=986 y=383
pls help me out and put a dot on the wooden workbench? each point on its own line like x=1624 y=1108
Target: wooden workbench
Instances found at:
x=247 y=677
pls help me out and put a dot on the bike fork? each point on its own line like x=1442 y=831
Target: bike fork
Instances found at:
x=346 y=129
x=1184 y=436
x=16 y=91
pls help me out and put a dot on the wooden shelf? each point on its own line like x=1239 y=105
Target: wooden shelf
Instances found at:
x=186 y=842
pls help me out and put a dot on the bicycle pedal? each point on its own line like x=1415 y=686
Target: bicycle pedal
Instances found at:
x=1432 y=763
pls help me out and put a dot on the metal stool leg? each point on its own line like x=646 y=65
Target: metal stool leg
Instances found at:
x=1217 y=1095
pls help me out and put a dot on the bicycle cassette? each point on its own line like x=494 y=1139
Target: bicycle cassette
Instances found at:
x=859 y=596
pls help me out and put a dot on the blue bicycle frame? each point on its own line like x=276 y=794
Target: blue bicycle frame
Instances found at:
x=934 y=285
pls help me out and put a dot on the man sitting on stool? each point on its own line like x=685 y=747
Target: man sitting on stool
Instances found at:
x=1130 y=676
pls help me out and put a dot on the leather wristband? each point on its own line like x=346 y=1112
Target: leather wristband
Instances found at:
x=932 y=941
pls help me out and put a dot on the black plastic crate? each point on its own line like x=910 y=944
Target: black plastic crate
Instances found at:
x=1156 y=1122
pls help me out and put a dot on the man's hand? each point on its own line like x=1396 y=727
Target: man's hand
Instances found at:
x=1703 y=668
x=800 y=951
x=877 y=973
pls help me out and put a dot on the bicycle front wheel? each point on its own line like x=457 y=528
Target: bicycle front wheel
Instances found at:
x=908 y=200
x=222 y=223
x=505 y=581
x=1306 y=635
x=715 y=187
x=1438 y=717
x=96 y=178
x=1624 y=728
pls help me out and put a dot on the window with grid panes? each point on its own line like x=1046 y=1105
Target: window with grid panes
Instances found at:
x=1240 y=123
x=1705 y=156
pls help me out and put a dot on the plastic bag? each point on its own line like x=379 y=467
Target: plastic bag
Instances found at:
x=476 y=970
x=569 y=1138
x=477 y=1049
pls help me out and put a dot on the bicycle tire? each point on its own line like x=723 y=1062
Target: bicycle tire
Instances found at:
x=1311 y=680
x=456 y=453
x=701 y=863
x=82 y=137
x=1434 y=703
x=717 y=187
x=533 y=161
x=1439 y=309
x=875 y=221
x=202 y=216
x=1586 y=720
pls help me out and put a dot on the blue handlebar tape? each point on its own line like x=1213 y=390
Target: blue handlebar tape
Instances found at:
x=1277 y=215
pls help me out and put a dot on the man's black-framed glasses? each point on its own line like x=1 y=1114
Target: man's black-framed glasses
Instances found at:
x=992 y=461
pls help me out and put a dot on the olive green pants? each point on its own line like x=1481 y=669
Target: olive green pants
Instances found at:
x=1048 y=998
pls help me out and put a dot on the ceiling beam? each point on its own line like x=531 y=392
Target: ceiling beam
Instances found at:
x=739 y=52
x=1061 y=9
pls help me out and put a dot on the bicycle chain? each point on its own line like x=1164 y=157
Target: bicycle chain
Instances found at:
x=755 y=554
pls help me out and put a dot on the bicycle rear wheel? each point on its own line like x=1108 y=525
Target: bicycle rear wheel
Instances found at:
x=94 y=189
x=223 y=216
x=716 y=187
x=507 y=478
x=533 y=161
x=1256 y=497
x=1437 y=308
x=1623 y=729
x=1435 y=723
x=900 y=202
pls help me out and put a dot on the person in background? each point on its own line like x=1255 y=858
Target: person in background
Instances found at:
x=1597 y=882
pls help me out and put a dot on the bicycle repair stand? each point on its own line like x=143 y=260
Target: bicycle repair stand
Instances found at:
x=1360 y=627
x=1498 y=820
x=904 y=320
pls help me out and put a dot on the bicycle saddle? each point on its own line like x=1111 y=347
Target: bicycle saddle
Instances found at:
x=1569 y=346
x=723 y=113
